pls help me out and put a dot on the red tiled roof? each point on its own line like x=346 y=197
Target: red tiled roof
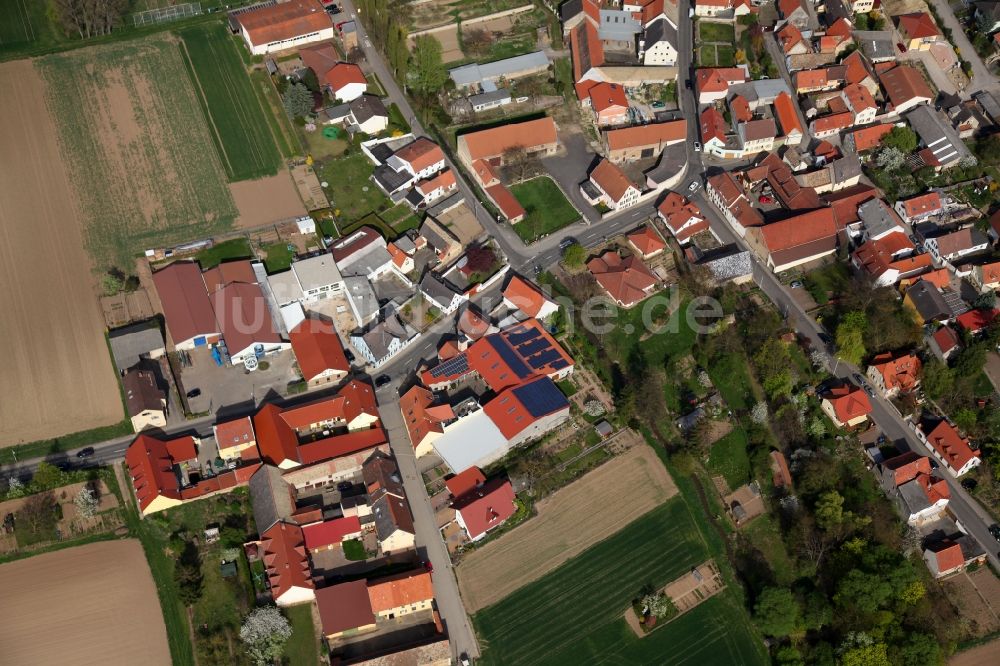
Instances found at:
x=829 y=43
x=716 y=79
x=974 y=321
x=420 y=154
x=779 y=469
x=525 y=296
x=465 y=481
x=833 y=121
x=344 y=606
x=344 y=74
x=444 y=179
x=923 y=204
x=859 y=97
x=234 y=433
x=845 y=203
x=505 y=200
x=401 y=590
x=611 y=179
x=676 y=211
x=587 y=52
x=917 y=25
x=342 y=445
x=627 y=280
x=653 y=134
x=947 y=554
x=713 y=125
x=152 y=470
x=849 y=402
x=317 y=348
x=244 y=316
x=186 y=306
x=606 y=95
x=320 y=59
x=799 y=230
x=485 y=173
x=867 y=138
x=284 y=21
x=878 y=256
x=788 y=7
x=841 y=28
x=907 y=466
x=901 y=372
x=857 y=71
x=226 y=272
x=285 y=558
x=419 y=423
x=487 y=507
x=784 y=109
x=740 y=108
x=903 y=83
x=952 y=447
x=940 y=278
x=810 y=78
x=946 y=339
x=490 y=143
x=473 y=324
x=494 y=368
x=936 y=489
x=646 y=240
x=789 y=36
x=329 y=532
x=734 y=200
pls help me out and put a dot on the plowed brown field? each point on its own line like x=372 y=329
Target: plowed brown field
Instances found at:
x=583 y=513
x=56 y=375
x=93 y=604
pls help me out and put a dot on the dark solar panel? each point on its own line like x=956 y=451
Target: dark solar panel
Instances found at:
x=560 y=364
x=509 y=356
x=533 y=347
x=543 y=359
x=453 y=366
x=521 y=336
x=540 y=397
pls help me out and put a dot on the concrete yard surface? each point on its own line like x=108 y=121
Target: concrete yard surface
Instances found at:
x=93 y=604
x=587 y=511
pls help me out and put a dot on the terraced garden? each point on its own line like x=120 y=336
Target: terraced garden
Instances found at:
x=134 y=139
x=236 y=118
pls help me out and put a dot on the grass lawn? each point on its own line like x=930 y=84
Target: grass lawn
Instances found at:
x=354 y=550
x=351 y=191
x=236 y=117
x=236 y=248
x=567 y=387
x=546 y=206
x=706 y=56
x=716 y=32
x=725 y=56
x=321 y=147
x=302 y=649
x=832 y=278
x=729 y=458
x=573 y=615
x=731 y=376
x=397 y=121
x=279 y=257
x=765 y=534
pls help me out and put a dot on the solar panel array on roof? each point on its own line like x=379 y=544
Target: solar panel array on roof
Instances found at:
x=531 y=348
x=520 y=336
x=560 y=364
x=458 y=365
x=541 y=360
x=512 y=360
x=541 y=397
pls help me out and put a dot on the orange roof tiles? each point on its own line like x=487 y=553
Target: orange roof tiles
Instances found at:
x=487 y=507
x=956 y=450
x=918 y=25
x=808 y=79
x=857 y=71
x=903 y=83
x=784 y=109
x=234 y=433
x=317 y=348
x=627 y=280
x=676 y=211
x=226 y=272
x=841 y=28
x=606 y=96
x=833 y=122
x=420 y=154
x=401 y=590
x=902 y=372
x=947 y=555
x=990 y=272
x=344 y=74
x=907 y=466
x=525 y=296
x=859 y=97
x=285 y=559
x=186 y=306
x=653 y=134
x=646 y=240
x=465 y=481
x=485 y=173
x=849 y=402
x=922 y=205
x=975 y=321
x=867 y=138
x=788 y=7
x=799 y=230
x=152 y=470
x=611 y=179
x=283 y=21
x=530 y=134
x=789 y=36
x=713 y=125
x=505 y=200
x=740 y=109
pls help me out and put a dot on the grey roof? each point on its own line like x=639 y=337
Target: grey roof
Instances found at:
x=928 y=301
x=475 y=74
x=618 y=26
x=876 y=44
x=362 y=296
x=391 y=515
x=380 y=335
x=391 y=180
x=405 y=243
x=347 y=27
x=760 y=92
x=913 y=496
x=364 y=263
x=316 y=271
x=270 y=497
x=129 y=343
x=937 y=133
x=445 y=205
x=569 y=9
x=658 y=31
x=989 y=104
x=335 y=113
x=383 y=150
x=490 y=97
x=436 y=290
x=878 y=218
x=989 y=10
x=366 y=107
x=142 y=392
x=846 y=168
x=429 y=230
x=728 y=263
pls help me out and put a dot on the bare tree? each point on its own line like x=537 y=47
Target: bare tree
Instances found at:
x=520 y=164
x=89 y=18
x=38 y=510
x=477 y=41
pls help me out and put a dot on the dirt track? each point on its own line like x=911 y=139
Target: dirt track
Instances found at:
x=93 y=604
x=56 y=375
x=266 y=200
x=587 y=511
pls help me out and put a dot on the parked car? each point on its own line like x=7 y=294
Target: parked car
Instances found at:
x=349 y=355
x=566 y=242
x=796 y=284
x=901 y=47
x=85 y=452
x=826 y=339
x=657 y=104
x=764 y=199
x=194 y=393
x=859 y=379
x=687 y=84
x=464 y=658
x=995 y=531
x=869 y=391
x=693 y=187
x=382 y=380
x=697 y=147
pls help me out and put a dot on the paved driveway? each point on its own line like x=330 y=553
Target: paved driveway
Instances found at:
x=981 y=76
x=570 y=168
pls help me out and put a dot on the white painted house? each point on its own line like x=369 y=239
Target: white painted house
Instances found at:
x=284 y=26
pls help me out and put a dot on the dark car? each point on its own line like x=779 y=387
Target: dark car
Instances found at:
x=826 y=339
x=687 y=84
x=194 y=393
x=382 y=380
x=349 y=355
x=995 y=531
x=859 y=379
x=85 y=452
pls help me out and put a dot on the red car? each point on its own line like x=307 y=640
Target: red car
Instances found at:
x=764 y=199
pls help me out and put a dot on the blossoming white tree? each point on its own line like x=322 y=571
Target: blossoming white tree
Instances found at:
x=265 y=632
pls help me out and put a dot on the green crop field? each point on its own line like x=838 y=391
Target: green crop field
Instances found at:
x=24 y=23
x=134 y=139
x=238 y=123
x=574 y=614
